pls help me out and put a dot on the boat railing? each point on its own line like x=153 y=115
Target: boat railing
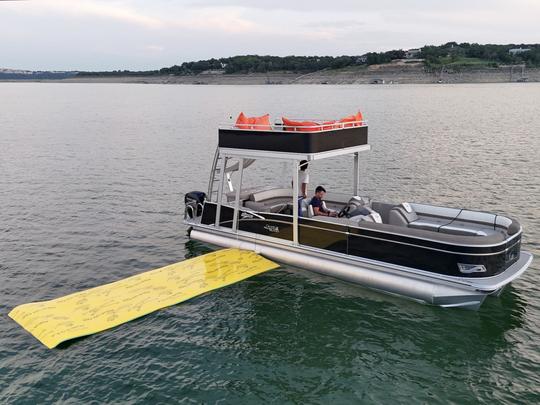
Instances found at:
x=321 y=126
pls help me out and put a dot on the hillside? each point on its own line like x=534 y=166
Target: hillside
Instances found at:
x=448 y=63
x=450 y=55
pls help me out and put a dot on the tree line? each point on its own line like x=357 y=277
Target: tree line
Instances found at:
x=451 y=52
x=496 y=55
x=263 y=64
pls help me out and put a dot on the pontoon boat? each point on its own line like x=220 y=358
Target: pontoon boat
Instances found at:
x=451 y=257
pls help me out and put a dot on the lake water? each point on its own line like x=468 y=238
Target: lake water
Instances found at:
x=92 y=178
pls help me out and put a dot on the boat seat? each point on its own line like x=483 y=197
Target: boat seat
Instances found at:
x=383 y=209
x=265 y=195
x=429 y=224
x=273 y=200
x=271 y=205
x=466 y=228
x=371 y=217
x=402 y=216
x=245 y=193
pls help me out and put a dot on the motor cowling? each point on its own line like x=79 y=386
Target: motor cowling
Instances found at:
x=194 y=201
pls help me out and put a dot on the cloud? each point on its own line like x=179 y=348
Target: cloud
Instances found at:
x=217 y=19
x=119 y=11
x=144 y=34
x=340 y=24
x=107 y=10
x=154 y=48
x=348 y=6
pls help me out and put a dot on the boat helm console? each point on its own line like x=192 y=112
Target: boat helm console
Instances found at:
x=437 y=255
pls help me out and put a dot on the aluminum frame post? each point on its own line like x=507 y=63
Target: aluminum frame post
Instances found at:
x=237 y=195
x=355 y=174
x=220 y=189
x=295 y=201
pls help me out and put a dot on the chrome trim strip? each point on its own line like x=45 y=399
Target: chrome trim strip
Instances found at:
x=256 y=236
x=435 y=249
x=381 y=239
x=409 y=236
x=325 y=229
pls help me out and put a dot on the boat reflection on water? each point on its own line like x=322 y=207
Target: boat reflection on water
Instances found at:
x=195 y=248
x=292 y=301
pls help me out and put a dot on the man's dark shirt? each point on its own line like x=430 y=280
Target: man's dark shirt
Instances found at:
x=316 y=202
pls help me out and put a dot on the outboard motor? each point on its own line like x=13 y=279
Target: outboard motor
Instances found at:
x=194 y=201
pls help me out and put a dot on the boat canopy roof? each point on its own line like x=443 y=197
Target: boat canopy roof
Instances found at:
x=282 y=142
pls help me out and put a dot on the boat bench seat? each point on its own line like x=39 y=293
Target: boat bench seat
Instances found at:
x=467 y=229
x=271 y=205
x=429 y=224
x=245 y=193
x=399 y=216
x=273 y=200
x=451 y=227
x=265 y=195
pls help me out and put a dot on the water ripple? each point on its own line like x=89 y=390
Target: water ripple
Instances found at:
x=92 y=194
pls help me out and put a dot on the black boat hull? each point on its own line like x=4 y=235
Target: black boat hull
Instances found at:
x=402 y=250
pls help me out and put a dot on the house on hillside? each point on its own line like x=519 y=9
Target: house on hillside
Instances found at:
x=362 y=59
x=412 y=53
x=517 y=51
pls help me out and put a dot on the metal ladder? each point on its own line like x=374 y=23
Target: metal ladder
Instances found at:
x=215 y=176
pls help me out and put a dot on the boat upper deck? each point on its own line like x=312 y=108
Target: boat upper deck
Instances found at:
x=306 y=142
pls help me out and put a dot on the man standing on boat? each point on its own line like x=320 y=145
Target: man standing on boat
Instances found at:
x=303 y=179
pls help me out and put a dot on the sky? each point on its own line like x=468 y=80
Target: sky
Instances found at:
x=150 y=34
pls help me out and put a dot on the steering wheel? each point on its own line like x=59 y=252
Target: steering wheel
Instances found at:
x=344 y=211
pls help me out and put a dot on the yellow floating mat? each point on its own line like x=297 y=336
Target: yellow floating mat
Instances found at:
x=94 y=310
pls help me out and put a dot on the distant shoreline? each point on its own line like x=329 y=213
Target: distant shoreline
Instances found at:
x=378 y=74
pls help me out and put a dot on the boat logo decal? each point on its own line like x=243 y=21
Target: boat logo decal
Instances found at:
x=512 y=254
x=471 y=268
x=272 y=228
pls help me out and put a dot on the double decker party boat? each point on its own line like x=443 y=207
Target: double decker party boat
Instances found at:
x=451 y=257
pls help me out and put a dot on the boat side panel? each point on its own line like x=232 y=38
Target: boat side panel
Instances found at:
x=209 y=215
x=292 y=141
x=276 y=226
x=426 y=238
x=323 y=235
x=370 y=245
x=425 y=259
